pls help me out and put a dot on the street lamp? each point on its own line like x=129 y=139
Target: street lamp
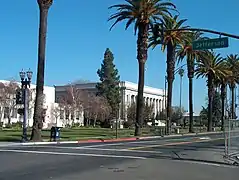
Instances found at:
x=179 y=70
x=26 y=82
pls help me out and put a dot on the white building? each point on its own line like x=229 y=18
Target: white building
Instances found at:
x=56 y=116
x=152 y=96
x=129 y=90
x=9 y=109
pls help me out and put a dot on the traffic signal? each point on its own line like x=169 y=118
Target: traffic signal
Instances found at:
x=19 y=97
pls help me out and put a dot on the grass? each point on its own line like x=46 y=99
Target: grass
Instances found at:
x=84 y=133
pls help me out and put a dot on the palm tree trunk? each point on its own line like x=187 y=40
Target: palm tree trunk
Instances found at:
x=190 y=101
x=170 y=79
x=38 y=108
x=142 y=55
x=233 y=102
x=210 y=99
x=223 y=95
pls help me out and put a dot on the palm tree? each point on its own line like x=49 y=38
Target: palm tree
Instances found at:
x=211 y=66
x=221 y=82
x=233 y=79
x=169 y=40
x=44 y=6
x=141 y=13
x=186 y=50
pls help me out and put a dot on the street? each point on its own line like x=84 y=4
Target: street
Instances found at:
x=178 y=158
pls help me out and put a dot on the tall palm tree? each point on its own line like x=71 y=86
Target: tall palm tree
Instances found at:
x=211 y=66
x=186 y=50
x=221 y=82
x=169 y=40
x=44 y=6
x=141 y=13
x=233 y=65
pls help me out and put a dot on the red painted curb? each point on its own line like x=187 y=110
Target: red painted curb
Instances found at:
x=90 y=141
x=107 y=140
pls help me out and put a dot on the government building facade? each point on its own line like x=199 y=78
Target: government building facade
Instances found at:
x=153 y=96
x=58 y=116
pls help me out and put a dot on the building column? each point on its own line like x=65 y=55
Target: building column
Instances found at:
x=157 y=106
x=124 y=104
x=129 y=100
x=154 y=105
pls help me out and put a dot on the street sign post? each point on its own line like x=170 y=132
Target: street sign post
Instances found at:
x=211 y=44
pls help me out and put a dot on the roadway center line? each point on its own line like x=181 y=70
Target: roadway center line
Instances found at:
x=71 y=154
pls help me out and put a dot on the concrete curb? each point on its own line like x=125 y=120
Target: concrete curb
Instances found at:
x=68 y=142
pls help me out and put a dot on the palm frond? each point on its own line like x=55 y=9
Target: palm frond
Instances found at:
x=143 y=11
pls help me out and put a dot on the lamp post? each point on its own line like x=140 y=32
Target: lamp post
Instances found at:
x=25 y=81
x=179 y=70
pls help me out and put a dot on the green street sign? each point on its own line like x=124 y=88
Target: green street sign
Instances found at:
x=211 y=44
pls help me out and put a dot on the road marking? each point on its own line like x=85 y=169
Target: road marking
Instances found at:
x=98 y=149
x=175 y=143
x=71 y=154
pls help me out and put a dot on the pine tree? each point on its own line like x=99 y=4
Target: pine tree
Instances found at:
x=109 y=82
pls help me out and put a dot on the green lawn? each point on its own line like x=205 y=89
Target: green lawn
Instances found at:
x=84 y=133
x=72 y=134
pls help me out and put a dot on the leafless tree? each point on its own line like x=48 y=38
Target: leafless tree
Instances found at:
x=7 y=99
x=147 y=113
x=100 y=109
x=94 y=107
x=56 y=112
x=72 y=101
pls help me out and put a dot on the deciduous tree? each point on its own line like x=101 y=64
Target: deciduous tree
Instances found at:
x=7 y=99
x=147 y=113
x=72 y=101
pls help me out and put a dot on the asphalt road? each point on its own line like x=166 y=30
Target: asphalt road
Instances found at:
x=167 y=158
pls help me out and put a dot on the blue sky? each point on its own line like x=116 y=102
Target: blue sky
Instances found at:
x=78 y=34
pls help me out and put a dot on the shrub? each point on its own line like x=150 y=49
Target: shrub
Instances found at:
x=128 y=124
x=8 y=126
x=17 y=125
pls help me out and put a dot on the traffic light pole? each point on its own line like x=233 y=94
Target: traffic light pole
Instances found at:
x=205 y=30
